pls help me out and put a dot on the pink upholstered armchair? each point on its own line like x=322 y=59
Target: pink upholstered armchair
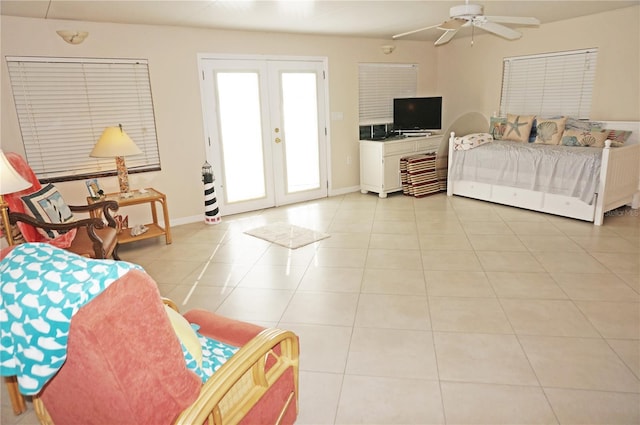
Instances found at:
x=125 y=364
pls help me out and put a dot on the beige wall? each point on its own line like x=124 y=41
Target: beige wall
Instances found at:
x=471 y=76
x=468 y=78
x=172 y=54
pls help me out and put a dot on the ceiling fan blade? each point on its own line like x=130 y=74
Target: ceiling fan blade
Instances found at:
x=444 y=38
x=501 y=30
x=415 y=31
x=452 y=24
x=517 y=20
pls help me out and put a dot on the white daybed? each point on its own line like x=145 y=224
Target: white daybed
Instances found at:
x=618 y=183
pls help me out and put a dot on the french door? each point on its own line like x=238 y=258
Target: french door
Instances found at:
x=265 y=126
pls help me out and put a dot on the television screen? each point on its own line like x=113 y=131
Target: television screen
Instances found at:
x=417 y=113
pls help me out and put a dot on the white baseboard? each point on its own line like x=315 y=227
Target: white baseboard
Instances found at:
x=187 y=220
x=344 y=191
x=197 y=218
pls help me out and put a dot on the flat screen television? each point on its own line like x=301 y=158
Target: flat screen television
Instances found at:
x=417 y=114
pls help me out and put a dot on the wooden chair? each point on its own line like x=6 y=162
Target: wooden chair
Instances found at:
x=89 y=237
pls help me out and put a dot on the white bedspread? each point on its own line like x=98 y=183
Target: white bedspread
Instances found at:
x=562 y=170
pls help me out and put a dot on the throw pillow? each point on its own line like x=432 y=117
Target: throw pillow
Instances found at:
x=534 y=130
x=518 y=127
x=618 y=137
x=584 y=125
x=47 y=205
x=185 y=334
x=471 y=141
x=593 y=138
x=497 y=127
x=549 y=131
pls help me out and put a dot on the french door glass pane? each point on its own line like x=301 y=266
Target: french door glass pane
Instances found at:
x=241 y=135
x=300 y=120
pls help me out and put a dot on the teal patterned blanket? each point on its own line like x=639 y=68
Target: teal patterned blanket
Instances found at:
x=41 y=288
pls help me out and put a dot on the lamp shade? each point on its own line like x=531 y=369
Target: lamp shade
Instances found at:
x=114 y=142
x=10 y=180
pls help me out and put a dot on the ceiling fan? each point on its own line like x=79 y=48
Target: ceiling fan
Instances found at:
x=465 y=15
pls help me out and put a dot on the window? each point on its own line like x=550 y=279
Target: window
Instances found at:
x=63 y=105
x=379 y=83
x=549 y=84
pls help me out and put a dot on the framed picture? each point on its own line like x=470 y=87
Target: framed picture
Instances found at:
x=94 y=188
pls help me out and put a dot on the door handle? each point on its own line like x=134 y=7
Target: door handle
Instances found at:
x=278 y=140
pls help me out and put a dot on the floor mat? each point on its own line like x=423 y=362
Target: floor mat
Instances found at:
x=287 y=235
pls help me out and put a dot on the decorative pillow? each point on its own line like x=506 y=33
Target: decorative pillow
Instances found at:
x=584 y=125
x=185 y=334
x=518 y=127
x=470 y=141
x=618 y=137
x=534 y=130
x=497 y=127
x=47 y=205
x=594 y=138
x=549 y=131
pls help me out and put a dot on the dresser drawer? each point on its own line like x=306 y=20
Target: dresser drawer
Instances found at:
x=432 y=144
x=572 y=207
x=517 y=197
x=394 y=148
x=472 y=189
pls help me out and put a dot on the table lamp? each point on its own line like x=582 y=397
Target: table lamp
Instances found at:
x=10 y=182
x=114 y=142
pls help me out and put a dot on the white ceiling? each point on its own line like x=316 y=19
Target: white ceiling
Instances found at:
x=360 y=18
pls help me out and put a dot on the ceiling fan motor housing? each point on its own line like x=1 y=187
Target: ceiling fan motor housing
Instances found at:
x=466 y=11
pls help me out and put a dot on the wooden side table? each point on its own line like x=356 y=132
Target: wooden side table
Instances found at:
x=146 y=196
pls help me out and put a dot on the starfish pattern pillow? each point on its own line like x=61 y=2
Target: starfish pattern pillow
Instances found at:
x=518 y=127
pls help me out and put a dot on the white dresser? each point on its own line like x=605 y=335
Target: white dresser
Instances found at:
x=380 y=161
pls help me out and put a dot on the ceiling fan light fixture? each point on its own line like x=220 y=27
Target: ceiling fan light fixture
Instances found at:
x=387 y=49
x=466 y=11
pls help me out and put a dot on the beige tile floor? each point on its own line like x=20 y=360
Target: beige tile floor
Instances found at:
x=428 y=311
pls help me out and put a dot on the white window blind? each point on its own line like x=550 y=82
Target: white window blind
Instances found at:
x=379 y=83
x=549 y=84
x=63 y=105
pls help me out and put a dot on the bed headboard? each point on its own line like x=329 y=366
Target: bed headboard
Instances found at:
x=634 y=126
x=467 y=123
x=470 y=122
